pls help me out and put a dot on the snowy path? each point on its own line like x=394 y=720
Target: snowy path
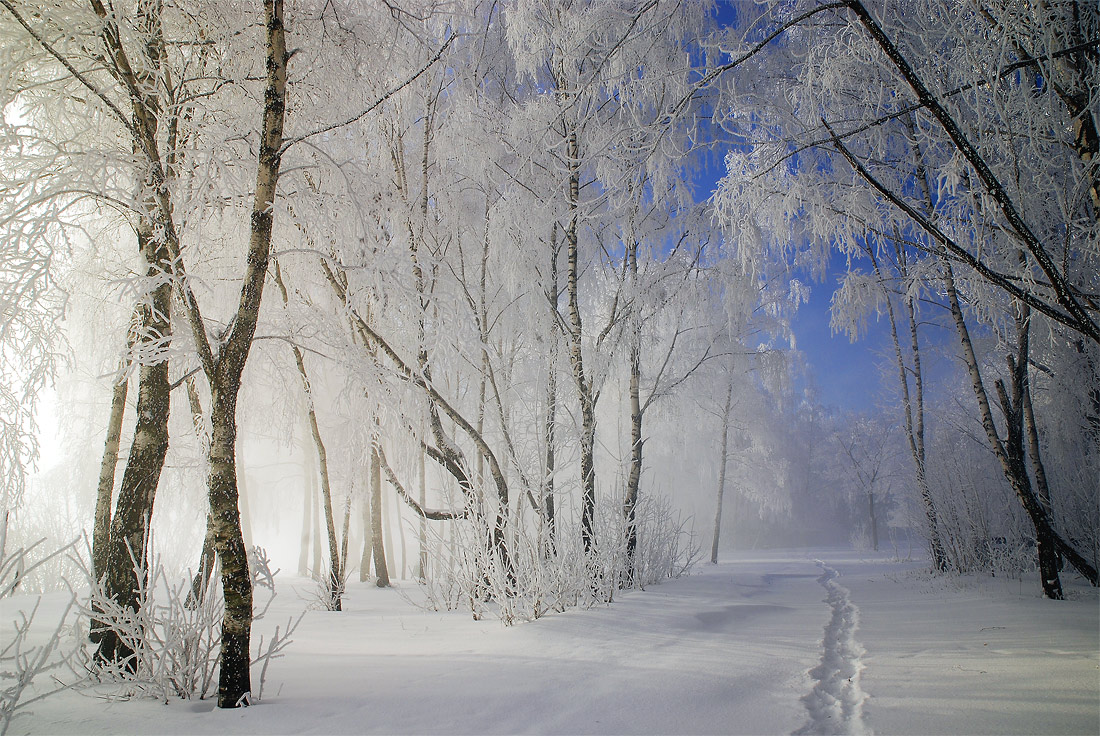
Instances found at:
x=835 y=704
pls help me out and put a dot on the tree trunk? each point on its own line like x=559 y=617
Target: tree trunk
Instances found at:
x=224 y=375
x=307 y=507
x=127 y=549
x=402 y=570
x=335 y=571
x=576 y=354
x=422 y=559
x=548 y=501
x=368 y=536
x=914 y=412
x=634 y=475
x=201 y=579
x=1009 y=451
x=234 y=681
x=336 y=559
x=722 y=473
x=315 y=525
x=379 y=549
x=242 y=495
x=916 y=437
x=101 y=529
x=344 y=542
x=874 y=520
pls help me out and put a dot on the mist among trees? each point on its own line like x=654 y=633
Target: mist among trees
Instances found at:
x=495 y=299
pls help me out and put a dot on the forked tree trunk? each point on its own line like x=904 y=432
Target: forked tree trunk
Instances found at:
x=224 y=374
x=722 y=473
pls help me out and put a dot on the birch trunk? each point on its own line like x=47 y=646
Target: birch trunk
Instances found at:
x=224 y=374
x=549 y=510
x=307 y=507
x=127 y=548
x=368 y=538
x=634 y=475
x=336 y=558
x=1010 y=450
x=422 y=558
x=576 y=354
x=378 y=546
x=722 y=473
x=101 y=529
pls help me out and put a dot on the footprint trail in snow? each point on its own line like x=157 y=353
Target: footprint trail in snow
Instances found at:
x=835 y=705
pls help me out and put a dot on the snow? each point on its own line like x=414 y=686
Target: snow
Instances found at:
x=761 y=643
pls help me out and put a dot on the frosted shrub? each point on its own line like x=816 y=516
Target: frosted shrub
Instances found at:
x=174 y=640
x=667 y=545
x=467 y=573
x=175 y=637
x=327 y=594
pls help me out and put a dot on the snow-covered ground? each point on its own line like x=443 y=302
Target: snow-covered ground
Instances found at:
x=818 y=641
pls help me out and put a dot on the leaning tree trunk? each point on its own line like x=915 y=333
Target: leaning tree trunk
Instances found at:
x=722 y=473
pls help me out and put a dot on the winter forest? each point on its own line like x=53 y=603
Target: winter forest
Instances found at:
x=461 y=313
